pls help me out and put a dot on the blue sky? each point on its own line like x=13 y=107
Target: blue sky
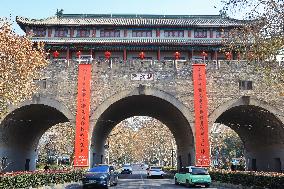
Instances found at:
x=46 y=8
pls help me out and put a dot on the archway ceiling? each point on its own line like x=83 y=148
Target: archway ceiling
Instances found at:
x=25 y=125
x=144 y=105
x=254 y=125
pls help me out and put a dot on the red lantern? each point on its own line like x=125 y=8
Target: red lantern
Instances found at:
x=55 y=54
x=107 y=55
x=78 y=54
x=142 y=55
x=228 y=55
x=177 y=55
x=204 y=54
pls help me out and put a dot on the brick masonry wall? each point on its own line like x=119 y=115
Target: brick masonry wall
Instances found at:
x=222 y=82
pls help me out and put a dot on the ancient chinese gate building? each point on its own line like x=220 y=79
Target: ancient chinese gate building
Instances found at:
x=239 y=96
x=159 y=36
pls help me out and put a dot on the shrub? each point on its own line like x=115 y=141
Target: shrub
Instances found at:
x=248 y=178
x=38 y=178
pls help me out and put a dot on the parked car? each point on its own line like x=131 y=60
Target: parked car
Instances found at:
x=193 y=176
x=155 y=171
x=126 y=169
x=100 y=176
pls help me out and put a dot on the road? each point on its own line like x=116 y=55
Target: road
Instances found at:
x=138 y=180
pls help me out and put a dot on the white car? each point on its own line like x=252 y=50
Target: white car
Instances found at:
x=155 y=171
x=126 y=169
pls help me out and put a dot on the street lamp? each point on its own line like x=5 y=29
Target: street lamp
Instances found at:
x=106 y=146
x=172 y=149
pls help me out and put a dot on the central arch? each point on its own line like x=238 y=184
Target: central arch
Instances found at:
x=143 y=101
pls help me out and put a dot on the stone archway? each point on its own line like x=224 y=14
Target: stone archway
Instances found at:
x=143 y=101
x=23 y=126
x=260 y=126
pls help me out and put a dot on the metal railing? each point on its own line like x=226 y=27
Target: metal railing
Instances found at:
x=174 y=64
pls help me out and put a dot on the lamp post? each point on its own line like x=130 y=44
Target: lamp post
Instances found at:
x=172 y=157
x=106 y=146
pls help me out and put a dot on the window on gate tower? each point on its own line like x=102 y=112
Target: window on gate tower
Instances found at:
x=173 y=33
x=83 y=33
x=110 y=33
x=141 y=33
x=61 y=32
x=200 y=33
x=39 y=32
x=222 y=34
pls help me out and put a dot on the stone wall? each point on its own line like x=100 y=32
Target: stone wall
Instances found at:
x=175 y=79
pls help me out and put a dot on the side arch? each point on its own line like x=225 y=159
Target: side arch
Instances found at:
x=47 y=101
x=244 y=100
x=260 y=127
x=23 y=126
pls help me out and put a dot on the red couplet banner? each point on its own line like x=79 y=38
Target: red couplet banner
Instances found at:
x=81 y=158
x=202 y=154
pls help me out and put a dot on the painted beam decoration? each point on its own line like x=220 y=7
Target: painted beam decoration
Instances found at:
x=81 y=158
x=202 y=155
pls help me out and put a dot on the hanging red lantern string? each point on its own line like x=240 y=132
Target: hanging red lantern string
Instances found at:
x=142 y=55
x=78 y=54
x=177 y=55
x=228 y=55
x=55 y=54
x=107 y=55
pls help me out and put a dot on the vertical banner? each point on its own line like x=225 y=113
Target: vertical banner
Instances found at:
x=81 y=158
x=201 y=116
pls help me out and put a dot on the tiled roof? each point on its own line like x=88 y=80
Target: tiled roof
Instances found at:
x=129 y=41
x=132 y=20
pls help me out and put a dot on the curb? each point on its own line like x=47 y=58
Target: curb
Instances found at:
x=61 y=186
x=233 y=186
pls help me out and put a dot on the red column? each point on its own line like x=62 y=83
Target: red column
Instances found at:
x=71 y=32
x=216 y=55
x=68 y=53
x=211 y=33
x=189 y=55
x=159 y=54
x=124 y=54
x=189 y=34
x=157 y=33
x=49 y=31
x=94 y=32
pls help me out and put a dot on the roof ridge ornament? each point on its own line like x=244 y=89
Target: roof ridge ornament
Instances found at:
x=59 y=13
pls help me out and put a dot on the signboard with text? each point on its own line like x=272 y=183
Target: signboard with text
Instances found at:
x=142 y=77
x=81 y=158
x=202 y=154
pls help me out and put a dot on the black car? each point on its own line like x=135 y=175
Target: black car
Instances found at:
x=126 y=171
x=100 y=176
